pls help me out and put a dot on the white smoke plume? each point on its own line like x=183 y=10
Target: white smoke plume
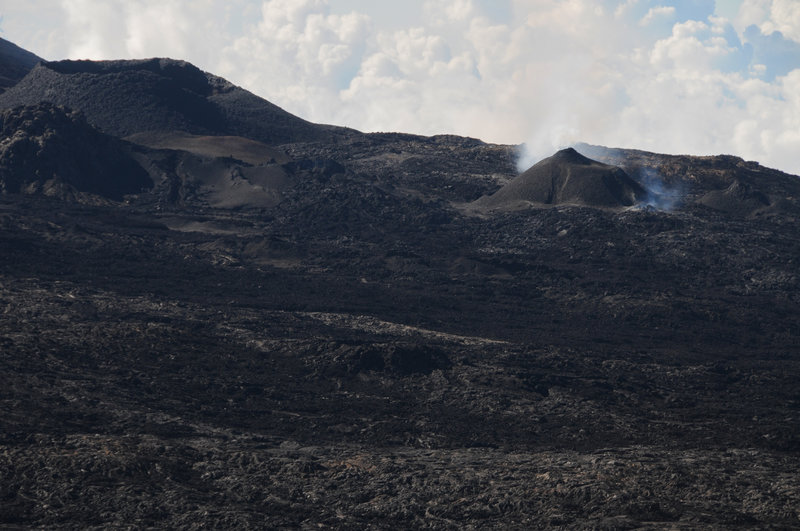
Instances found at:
x=660 y=195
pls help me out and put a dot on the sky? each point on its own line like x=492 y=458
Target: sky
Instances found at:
x=697 y=77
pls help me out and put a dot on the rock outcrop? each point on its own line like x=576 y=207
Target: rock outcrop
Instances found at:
x=52 y=150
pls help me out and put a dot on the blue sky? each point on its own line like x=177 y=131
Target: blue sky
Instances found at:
x=679 y=76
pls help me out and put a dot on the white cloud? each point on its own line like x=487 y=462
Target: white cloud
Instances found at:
x=784 y=17
x=298 y=55
x=692 y=47
x=439 y=12
x=101 y=29
x=657 y=12
x=771 y=16
x=624 y=7
x=770 y=125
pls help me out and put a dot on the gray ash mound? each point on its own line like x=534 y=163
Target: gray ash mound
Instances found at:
x=748 y=197
x=739 y=198
x=15 y=63
x=568 y=178
x=49 y=149
x=123 y=98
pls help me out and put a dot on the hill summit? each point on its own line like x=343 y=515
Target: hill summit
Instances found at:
x=568 y=177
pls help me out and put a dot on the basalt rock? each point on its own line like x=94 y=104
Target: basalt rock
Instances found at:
x=52 y=150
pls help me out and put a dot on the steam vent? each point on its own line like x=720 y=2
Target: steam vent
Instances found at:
x=568 y=178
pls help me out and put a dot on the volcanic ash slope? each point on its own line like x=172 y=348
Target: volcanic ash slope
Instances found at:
x=15 y=63
x=567 y=178
x=126 y=97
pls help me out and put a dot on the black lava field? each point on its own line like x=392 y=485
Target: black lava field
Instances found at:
x=216 y=314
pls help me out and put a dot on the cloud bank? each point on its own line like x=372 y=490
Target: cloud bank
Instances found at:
x=668 y=76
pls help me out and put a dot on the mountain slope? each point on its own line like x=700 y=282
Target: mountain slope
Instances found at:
x=15 y=63
x=122 y=98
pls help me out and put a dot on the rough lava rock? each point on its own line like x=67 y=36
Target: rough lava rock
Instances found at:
x=362 y=347
x=52 y=150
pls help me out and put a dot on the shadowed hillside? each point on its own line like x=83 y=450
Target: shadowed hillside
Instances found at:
x=122 y=98
x=15 y=63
